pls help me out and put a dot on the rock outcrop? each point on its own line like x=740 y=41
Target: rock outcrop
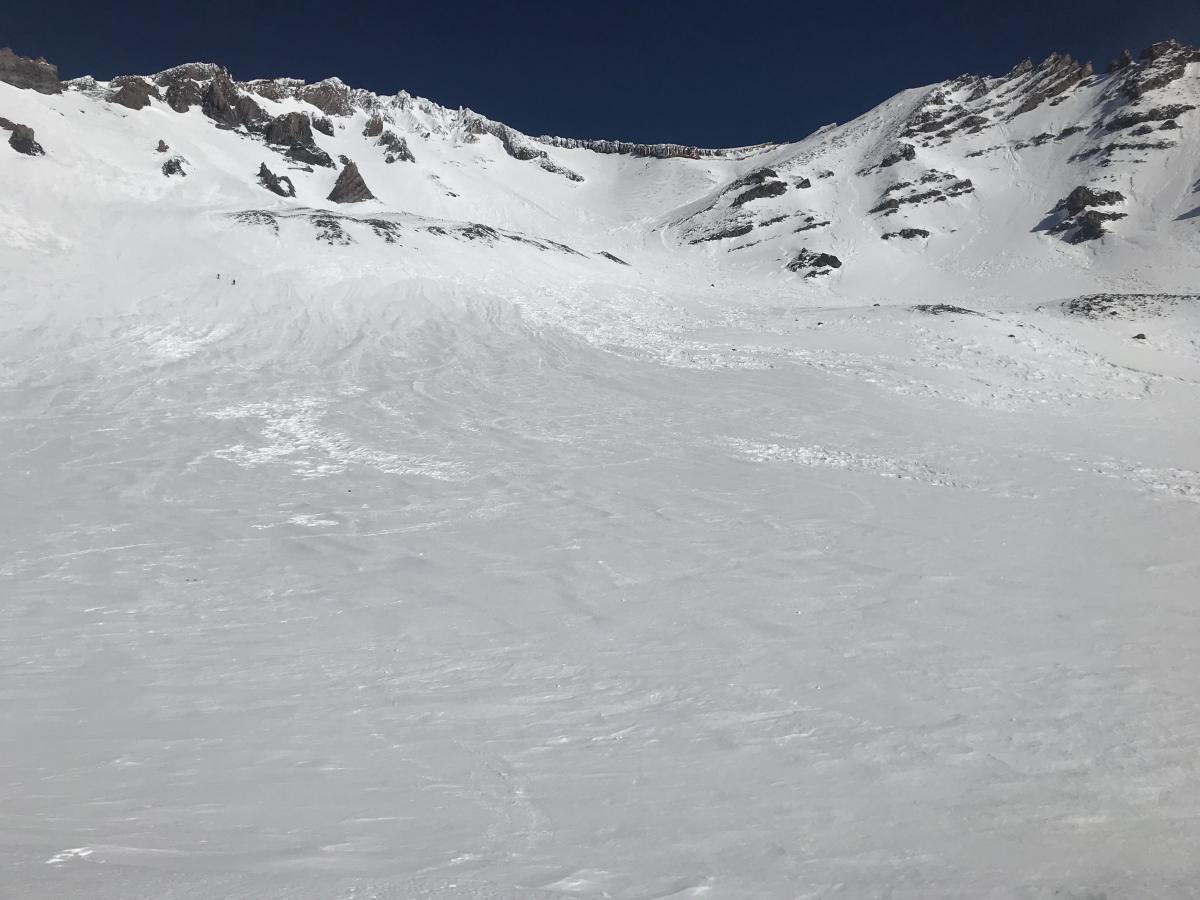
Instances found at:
x=22 y=139
x=396 y=147
x=294 y=131
x=174 y=166
x=26 y=72
x=1083 y=197
x=281 y=185
x=1078 y=220
x=374 y=126
x=134 y=93
x=162 y=147
x=350 y=187
x=289 y=130
x=323 y=125
x=813 y=264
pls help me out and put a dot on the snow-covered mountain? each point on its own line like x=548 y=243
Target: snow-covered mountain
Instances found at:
x=1049 y=179
x=394 y=505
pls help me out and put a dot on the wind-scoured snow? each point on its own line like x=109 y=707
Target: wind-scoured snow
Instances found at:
x=444 y=556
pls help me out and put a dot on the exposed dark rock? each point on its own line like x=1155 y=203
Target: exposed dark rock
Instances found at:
x=289 y=130
x=396 y=146
x=374 y=126
x=803 y=184
x=1159 y=65
x=905 y=152
x=274 y=183
x=174 y=166
x=343 y=159
x=651 y=151
x=217 y=101
x=1140 y=336
x=907 y=234
x=1083 y=197
x=22 y=139
x=758 y=176
x=389 y=231
x=1057 y=74
x=520 y=147
x=1122 y=62
x=1169 y=125
x=477 y=232
x=759 y=192
x=942 y=309
x=1090 y=226
x=134 y=93
x=612 y=257
x=162 y=147
x=249 y=113
x=814 y=264
x=736 y=229
x=350 y=187
x=26 y=72
x=257 y=217
x=323 y=125
x=1157 y=114
x=183 y=94
x=331 y=97
x=811 y=223
x=1140 y=306
x=310 y=155
x=329 y=229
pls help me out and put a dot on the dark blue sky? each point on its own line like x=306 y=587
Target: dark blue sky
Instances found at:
x=697 y=72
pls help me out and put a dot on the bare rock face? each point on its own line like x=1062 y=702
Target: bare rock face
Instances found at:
x=219 y=99
x=133 y=93
x=183 y=95
x=294 y=131
x=906 y=234
x=397 y=147
x=350 y=187
x=290 y=130
x=174 y=166
x=814 y=264
x=21 y=138
x=26 y=72
x=374 y=126
x=323 y=125
x=1083 y=197
x=760 y=192
x=1078 y=220
x=162 y=147
x=274 y=183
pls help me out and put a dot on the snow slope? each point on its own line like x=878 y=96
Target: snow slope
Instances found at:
x=444 y=557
